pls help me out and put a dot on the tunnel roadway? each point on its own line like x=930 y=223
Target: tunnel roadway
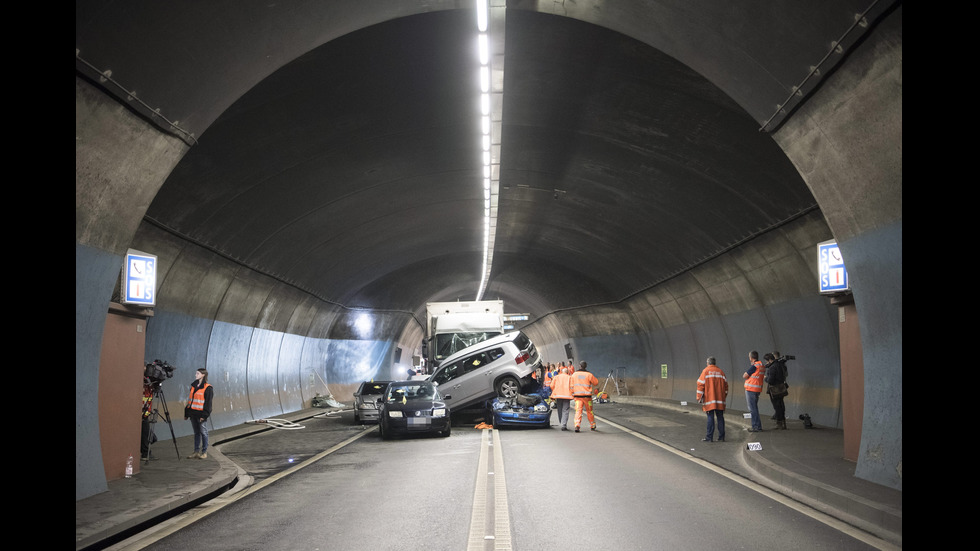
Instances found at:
x=616 y=488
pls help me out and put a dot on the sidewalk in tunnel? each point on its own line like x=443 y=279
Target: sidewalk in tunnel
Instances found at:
x=806 y=465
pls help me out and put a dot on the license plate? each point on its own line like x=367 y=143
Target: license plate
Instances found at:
x=418 y=420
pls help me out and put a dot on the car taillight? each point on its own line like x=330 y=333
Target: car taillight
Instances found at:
x=522 y=357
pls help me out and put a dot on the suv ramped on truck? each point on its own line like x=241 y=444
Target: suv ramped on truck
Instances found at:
x=500 y=366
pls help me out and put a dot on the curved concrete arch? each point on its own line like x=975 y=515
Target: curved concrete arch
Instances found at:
x=266 y=326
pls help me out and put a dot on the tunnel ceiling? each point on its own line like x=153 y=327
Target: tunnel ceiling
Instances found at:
x=353 y=172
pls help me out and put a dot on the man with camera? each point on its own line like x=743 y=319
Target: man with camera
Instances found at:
x=777 y=388
x=154 y=374
x=147 y=436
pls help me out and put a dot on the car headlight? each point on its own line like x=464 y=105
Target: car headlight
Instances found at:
x=394 y=414
x=540 y=408
x=439 y=412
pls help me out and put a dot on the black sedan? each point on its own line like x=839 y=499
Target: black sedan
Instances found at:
x=410 y=407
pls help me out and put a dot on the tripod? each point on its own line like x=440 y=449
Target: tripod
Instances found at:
x=158 y=393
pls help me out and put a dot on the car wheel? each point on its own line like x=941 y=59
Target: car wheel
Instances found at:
x=357 y=418
x=381 y=429
x=449 y=429
x=508 y=387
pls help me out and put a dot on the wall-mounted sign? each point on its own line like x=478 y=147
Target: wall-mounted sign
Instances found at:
x=833 y=276
x=663 y=371
x=139 y=279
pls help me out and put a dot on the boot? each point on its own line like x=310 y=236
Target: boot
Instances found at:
x=781 y=425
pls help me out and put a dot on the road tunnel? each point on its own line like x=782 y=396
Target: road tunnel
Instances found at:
x=309 y=177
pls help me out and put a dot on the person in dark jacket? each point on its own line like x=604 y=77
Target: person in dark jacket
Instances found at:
x=198 y=410
x=776 y=374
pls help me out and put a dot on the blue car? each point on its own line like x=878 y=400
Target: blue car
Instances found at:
x=529 y=410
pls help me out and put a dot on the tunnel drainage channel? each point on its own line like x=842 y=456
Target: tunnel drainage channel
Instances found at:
x=490 y=520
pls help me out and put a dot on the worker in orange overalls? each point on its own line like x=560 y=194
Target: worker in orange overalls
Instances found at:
x=584 y=387
x=561 y=393
x=712 y=392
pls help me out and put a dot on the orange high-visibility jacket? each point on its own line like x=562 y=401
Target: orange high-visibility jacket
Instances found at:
x=584 y=384
x=754 y=382
x=712 y=388
x=196 y=400
x=561 y=387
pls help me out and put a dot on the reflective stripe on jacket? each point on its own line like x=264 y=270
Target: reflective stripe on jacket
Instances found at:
x=196 y=399
x=712 y=388
x=584 y=383
x=754 y=382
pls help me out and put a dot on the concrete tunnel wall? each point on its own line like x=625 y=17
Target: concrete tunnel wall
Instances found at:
x=761 y=296
x=269 y=348
x=846 y=141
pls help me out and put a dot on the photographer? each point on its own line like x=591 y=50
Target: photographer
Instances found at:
x=776 y=374
x=154 y=374
x=147 y=436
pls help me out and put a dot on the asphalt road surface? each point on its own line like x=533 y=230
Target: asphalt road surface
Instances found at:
x=518 y=489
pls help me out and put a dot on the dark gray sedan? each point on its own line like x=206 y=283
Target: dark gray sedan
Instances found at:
x=411 y=407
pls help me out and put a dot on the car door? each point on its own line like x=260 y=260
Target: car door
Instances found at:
x=465 y=379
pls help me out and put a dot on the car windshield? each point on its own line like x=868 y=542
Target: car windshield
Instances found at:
x=421 y=391
x=451 y=343
x=373 y=388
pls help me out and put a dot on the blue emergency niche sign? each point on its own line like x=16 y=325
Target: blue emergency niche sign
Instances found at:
x=139 y=279
x=833 y=275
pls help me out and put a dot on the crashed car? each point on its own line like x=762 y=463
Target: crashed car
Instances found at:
x=499 y=366
x=410 y=407
x=530 y=410
x=366 y=401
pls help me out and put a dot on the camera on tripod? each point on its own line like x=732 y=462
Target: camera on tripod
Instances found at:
x=158 y=371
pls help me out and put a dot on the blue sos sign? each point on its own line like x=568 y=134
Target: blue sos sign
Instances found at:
x=833 y=275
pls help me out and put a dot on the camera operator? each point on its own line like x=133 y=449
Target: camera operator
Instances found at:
x=154 y=373
x=776 y=374
x=147 y=436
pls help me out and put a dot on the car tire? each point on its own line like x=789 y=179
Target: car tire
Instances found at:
x=381 y=429
x=508 y=387
x=357 y=418
x=448 y=431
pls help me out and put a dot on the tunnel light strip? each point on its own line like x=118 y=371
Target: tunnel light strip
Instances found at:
x=489 y=141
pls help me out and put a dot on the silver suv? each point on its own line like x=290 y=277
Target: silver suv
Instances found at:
x=499 y=366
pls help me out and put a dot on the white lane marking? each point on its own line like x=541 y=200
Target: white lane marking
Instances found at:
x=484 y=528
x=775 y=496
x=179 y=522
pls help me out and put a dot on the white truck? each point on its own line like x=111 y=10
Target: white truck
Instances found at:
x=453 y=326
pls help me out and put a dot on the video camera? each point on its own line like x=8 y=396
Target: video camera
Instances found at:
x=158 y=371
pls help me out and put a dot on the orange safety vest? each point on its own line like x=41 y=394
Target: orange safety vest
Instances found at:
x=547 y=378
x=712 y=388
x=196 y=399
x=561 y=387
x=754 y=382
x=584 y=384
